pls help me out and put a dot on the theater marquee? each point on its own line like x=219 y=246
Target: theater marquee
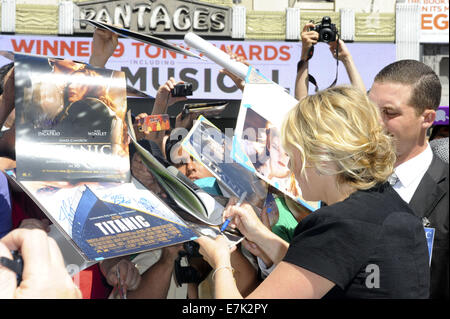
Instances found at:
x=157 y=17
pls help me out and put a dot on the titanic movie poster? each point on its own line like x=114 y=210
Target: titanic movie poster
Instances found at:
x=106 y=220
x=69 y=121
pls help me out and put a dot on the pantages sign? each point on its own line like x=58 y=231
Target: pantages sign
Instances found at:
x=158 y=17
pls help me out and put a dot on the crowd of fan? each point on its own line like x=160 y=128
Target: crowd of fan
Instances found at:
x=366 y=155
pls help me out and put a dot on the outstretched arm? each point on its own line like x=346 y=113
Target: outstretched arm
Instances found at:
x=286 y=281
x=103 y=46
x=346 y=58
x=164 y=98
x=163 y=101
x=309 y=38
x=240 y=83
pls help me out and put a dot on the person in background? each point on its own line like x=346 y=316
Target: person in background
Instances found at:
x=408 y=92
x=162 y=268
x=439 y=131
x=309 y=39
x=440 y=148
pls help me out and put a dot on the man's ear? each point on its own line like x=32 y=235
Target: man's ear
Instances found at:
x=428 y=118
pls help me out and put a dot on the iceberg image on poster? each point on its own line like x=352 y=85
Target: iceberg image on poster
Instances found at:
x=105 y=230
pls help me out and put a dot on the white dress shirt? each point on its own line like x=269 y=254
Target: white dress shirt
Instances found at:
x=411 y=173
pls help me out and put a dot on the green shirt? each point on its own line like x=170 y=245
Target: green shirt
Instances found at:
x=286 y=223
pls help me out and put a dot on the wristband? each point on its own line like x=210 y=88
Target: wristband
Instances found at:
x=222 y=267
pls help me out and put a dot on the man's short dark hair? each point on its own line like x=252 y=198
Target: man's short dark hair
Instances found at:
x=3 y=71
x=426 y=85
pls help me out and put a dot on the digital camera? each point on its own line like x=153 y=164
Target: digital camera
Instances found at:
x=183 y=89
x=187 y=274
x=327 y=30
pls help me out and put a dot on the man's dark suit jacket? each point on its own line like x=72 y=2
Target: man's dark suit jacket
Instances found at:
x=430 y=200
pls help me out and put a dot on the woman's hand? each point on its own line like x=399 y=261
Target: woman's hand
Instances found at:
x=344 y=53
x=245 y=219
x=164 y=98
x=309 y=38
x=215 y=251
x=103 y=46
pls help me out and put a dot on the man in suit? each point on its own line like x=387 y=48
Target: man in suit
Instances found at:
x=408 y=93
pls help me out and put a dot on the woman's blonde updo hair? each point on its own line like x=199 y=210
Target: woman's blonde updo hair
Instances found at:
x=341 y=126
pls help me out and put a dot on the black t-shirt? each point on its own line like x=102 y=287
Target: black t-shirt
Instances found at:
x=370 y=245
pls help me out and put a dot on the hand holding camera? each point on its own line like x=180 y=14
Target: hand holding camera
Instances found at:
x=327 y=31
x=309 y=39
x=313 y=33
x=182 y=89
x=340 y=51
x=165 y=98
x=44 y=272
x=324 y=32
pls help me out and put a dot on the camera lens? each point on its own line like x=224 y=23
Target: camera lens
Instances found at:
x=326 y=35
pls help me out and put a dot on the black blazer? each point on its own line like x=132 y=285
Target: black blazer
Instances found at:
x=430 y=200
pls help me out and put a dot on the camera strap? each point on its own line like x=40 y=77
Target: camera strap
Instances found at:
x=310 y=77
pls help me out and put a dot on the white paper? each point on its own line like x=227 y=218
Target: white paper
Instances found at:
x=215 y=54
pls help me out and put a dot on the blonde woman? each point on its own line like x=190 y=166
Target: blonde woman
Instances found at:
x=366 y=243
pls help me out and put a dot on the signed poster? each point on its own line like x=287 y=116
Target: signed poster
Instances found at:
x=106 y=220
x=69 y=121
